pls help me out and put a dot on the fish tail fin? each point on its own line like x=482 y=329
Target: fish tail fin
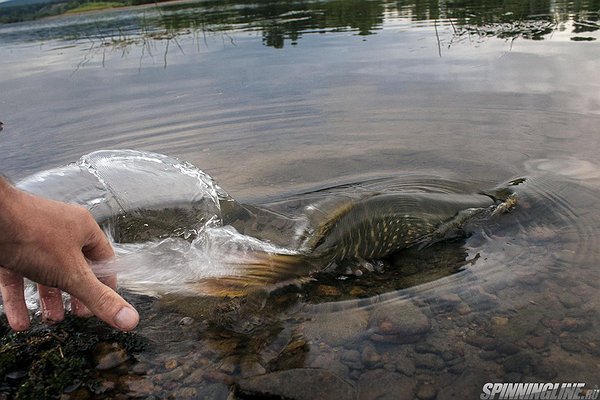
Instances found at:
x=257 y=271
x=505 y=191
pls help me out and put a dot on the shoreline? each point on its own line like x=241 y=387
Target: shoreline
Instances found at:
x=114 y=8
x=124 y=7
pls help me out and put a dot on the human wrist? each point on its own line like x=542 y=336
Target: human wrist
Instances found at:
x=6 y=193
x=5 y=186
x=9 y=197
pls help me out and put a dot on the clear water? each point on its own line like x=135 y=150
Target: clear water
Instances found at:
x=286 y=102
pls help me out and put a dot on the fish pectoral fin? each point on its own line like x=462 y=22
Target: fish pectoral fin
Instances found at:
x=259 y=271
x=452 y=228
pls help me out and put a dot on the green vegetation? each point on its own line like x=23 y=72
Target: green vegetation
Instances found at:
x=10 y=12
x=100 y=5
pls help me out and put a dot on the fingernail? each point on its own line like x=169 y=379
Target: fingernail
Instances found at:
x=126 y=319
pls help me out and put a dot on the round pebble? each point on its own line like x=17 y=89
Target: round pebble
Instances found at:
x=426 y=392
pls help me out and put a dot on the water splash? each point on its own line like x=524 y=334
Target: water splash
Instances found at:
x=175 y=265
x=113 y=183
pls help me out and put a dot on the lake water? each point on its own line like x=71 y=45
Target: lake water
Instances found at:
x=280 y=101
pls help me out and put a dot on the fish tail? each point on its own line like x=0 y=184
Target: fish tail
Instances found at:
x=257 y=271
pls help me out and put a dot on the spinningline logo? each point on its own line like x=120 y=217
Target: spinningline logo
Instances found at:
x=542 y=391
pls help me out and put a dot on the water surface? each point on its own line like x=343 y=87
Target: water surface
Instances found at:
x=283 y=101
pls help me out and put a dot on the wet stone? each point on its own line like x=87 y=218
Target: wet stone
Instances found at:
x=513 y=377
x=406 y=366
x=352 y=359
x=575 y=324
x=399 y=322
x=508 y=348
x=530 y=279
x=479 y=299
x=109 y=355
x=429 y=361
x=450 y=298
x=464 y=309
x=448 y=355
x=229 y=365
x=553 y=324
x=537 y=342
x=196 y=377
x=186 y=393
x=140 y=368
x=297 y=384
x=251 y=367
x=217 y=376
x=483 y=342
x=570 y=300
x=379 y=384
x=395 y=339
x=545 y=370
x=457 y=369
x=214 y=391
x=171 y=363
x=426 y=348
x=358 y=292
x=454 y=361
x=176 y=374
x=445 y=303
x=139 y=387
x=370 y=357
x=571 y=344
x=103 y=387
x=337 y=329
x=489 y=355
x=327 y=361
x=328 y=291
x=186 y=321
x=519 y=363
x=499 y=321
x=426 y=392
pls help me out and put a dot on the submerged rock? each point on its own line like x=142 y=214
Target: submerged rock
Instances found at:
x=426 y=392
x=298 y=384
x=429 y=361
x=398 y=322
x=383 y=385
x=109 y=355
x=337 y=329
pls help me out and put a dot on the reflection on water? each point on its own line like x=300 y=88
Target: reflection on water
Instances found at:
x=289 y=20
x=355 y=98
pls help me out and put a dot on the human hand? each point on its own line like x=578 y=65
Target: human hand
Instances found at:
x=50 y=243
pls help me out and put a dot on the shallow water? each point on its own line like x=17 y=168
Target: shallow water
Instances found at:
x=285 y=102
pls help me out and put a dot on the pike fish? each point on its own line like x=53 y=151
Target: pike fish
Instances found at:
x=357 y=229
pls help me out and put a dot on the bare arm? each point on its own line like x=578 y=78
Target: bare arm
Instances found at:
x=50 y=242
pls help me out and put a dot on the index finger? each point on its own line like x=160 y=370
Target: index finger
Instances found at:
x=79 y=309
x=100 y=299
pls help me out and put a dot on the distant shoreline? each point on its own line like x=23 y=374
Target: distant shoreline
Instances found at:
x=117 y=7
x=25 y=13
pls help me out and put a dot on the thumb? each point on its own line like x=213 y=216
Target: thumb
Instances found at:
x=104 y=302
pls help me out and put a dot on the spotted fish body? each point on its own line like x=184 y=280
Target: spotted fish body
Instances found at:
x=369 y=227
x=386 y=223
